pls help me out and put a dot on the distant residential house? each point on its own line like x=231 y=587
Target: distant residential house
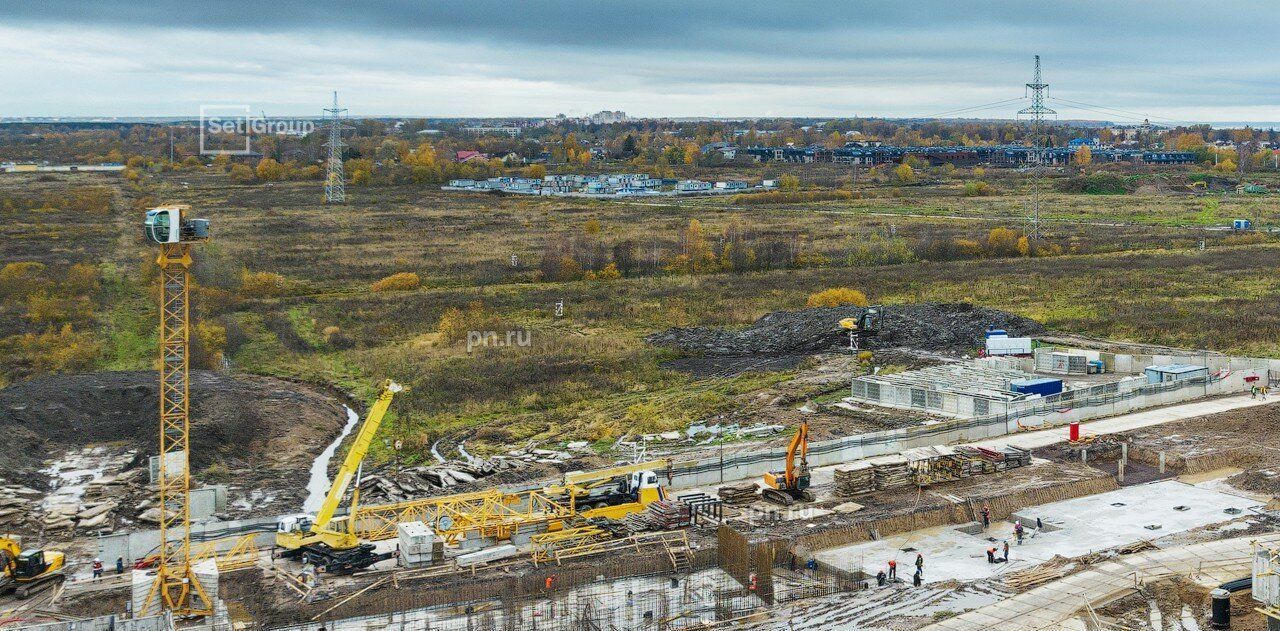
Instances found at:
x=731 y=185
x=468 y=156
x=726 y=149
x=1169 y=157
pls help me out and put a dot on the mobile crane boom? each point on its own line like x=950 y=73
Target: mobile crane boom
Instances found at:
x=316 y=540
x=355 y=455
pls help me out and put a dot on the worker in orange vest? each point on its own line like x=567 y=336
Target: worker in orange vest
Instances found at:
x=550 y=579
x=893 y=569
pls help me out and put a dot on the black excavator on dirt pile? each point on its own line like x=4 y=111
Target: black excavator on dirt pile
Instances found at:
x=791 y=484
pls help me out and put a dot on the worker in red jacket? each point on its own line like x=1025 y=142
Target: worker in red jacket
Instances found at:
x=97 y=568
x=893 y=569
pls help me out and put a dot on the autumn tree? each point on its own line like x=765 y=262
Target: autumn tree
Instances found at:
x=905 y=173
x=789 y=182
x=1083 y=156
x=241 y=173
x=400 y=281
x=269 y=170
x=1002 y=242
x=836 y=297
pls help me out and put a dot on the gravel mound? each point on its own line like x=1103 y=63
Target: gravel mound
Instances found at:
x=929 y=326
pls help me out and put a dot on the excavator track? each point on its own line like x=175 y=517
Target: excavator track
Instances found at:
x=774 y=496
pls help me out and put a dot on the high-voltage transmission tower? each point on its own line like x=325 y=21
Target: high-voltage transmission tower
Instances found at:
x=335 y=189
x=176 y=587
x=1038 y=140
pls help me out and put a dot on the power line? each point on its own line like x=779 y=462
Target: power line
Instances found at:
x=974 y=107
x=1118 y=110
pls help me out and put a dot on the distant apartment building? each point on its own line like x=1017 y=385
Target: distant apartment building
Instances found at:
x=607 y=117
x=483 y=129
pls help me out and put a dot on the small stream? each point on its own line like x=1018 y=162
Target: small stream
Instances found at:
x=318 y=483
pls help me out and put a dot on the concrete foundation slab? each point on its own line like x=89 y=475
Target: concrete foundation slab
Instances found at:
x=1079 y=526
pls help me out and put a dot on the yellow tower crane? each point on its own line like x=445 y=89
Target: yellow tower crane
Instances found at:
x=176 y=586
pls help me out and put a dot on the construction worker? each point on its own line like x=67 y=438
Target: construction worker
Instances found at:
x=551 y=579
x=119 y=565
x=1006 y=550
x=919 y=562
x=893 y=569
x=1253 y=391
x=918 y=578
x=881 y=579
x=97 y=568
x=991 y=555
x=986 y=516
x=1017 y=531
x=812 y=566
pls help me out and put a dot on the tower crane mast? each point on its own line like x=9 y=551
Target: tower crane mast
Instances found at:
x=176 y=587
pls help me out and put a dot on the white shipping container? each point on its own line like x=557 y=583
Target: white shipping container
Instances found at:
x=999 y=345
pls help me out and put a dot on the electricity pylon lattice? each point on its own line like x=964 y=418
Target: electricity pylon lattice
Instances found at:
x=1038 y=141
x=335 y=189
x=176 y=587
x=1037 y=111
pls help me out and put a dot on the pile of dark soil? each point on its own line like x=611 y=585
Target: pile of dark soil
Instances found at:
x=935 y=327
x=236 y=420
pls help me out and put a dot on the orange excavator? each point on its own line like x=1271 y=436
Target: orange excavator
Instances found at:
x=792 y=484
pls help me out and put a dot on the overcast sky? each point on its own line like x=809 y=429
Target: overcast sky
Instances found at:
x=1173 y=60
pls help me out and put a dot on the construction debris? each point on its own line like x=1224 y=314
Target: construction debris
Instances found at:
x=389 y=485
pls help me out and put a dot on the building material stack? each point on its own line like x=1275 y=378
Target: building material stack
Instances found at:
x=893 y=473
x=854 y=480
x=738 y=494
x=16 y=504
x=669 y=514
x=418 y=544
x=1016 y=457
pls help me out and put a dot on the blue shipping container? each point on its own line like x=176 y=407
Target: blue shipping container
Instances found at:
x=1043 y=387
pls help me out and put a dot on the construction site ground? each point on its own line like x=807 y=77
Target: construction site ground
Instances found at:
x=76 y=458
x=1195 y=432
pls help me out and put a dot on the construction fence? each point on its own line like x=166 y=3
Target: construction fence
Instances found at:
x=1097 y=403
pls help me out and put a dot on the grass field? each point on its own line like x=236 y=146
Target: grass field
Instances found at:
x=1131 y=268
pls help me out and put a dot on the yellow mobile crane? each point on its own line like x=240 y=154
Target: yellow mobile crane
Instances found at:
x=613 y=492
x=24 y=571
x=314 y=539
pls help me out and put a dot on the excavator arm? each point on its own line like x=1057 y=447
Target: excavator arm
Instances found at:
x=800 y=444
x=351 y=464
